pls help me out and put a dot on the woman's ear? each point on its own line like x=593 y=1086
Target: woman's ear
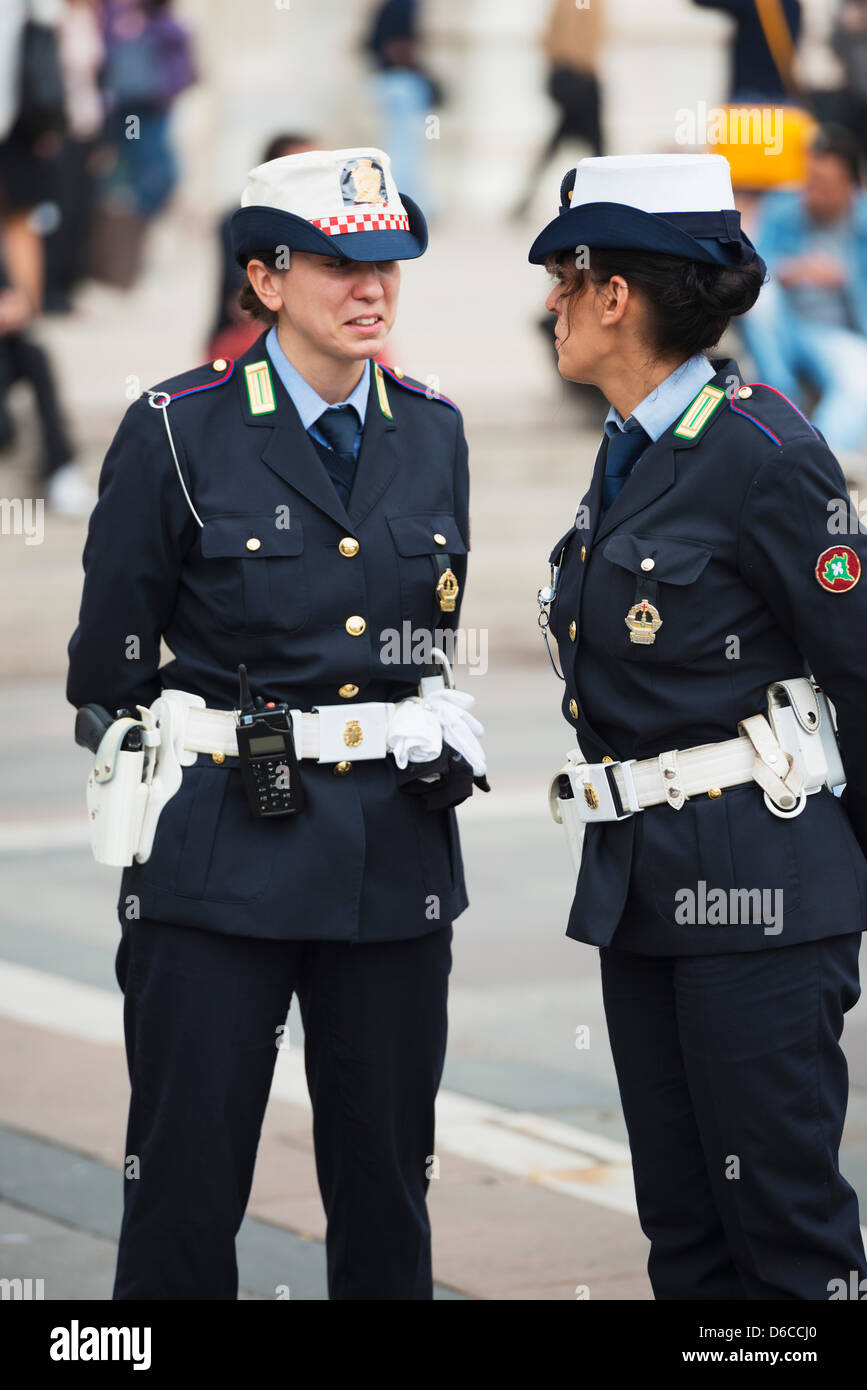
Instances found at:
x=614 y=297
x=265 y=284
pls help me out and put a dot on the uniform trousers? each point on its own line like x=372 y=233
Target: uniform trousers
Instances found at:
x=734 y=1090
x=203 y=1014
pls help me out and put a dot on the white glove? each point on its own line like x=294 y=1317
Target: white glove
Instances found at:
x=415 y=734
x=459 y=727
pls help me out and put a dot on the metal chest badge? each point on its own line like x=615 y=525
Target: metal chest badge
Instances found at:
x=447 y=590
x=644 y=622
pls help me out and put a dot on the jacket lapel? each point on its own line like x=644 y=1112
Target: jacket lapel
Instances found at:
x=653 y=474
x=378 y=457
x=656 y=470
x=287 y=447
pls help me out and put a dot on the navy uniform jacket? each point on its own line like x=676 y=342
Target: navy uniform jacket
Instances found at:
x=364 y=859
x=735 y=518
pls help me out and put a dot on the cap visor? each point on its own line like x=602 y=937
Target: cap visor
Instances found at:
x=615 y=226
x=257 y=228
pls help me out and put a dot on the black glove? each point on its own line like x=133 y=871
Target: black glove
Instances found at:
x=454 y=780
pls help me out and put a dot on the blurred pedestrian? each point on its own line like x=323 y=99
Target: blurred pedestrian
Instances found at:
x=763 y=47
x=849 y=42
x=32 y=119
x=82 y=54
x=148 y=64
x=234 y=330
x=59 y=476
x=572 y=43
x=405 y=92
x=808 y=331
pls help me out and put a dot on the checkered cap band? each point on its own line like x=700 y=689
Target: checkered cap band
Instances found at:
x=362 y=222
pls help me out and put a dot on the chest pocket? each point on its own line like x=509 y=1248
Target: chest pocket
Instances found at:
x=254 y=573
x=417 y=545
x=670 y=584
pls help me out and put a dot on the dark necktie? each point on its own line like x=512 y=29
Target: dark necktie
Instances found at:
x=624 y=448
x=339 y=425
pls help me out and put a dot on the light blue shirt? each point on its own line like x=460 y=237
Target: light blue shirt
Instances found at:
x=308 y=402
x=666 y=402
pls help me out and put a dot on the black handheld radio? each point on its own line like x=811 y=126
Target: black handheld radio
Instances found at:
x=266 y=752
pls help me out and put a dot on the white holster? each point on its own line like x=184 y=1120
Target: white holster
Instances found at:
x=791 y=754
x=127 y=790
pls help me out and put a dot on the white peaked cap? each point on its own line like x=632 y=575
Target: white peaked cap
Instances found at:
x=655 y=182
x=343 y=190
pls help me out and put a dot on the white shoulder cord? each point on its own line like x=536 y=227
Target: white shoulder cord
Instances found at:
x=160 y=400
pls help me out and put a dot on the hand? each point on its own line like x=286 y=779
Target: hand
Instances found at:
x=816 y=268
x=16 y=310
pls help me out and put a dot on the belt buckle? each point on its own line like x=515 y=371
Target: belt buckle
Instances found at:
x=597 y=796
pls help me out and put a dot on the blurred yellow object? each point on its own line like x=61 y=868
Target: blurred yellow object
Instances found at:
x=766 y=146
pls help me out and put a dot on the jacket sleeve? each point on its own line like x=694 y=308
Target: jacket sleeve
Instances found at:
x=139 y=531
x=796 y=508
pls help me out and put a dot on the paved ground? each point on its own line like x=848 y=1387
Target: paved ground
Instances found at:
x=534 y=1197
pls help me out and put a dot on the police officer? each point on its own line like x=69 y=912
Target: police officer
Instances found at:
x=292 y=511
x=721 y=879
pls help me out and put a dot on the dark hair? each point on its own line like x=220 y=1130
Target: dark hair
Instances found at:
x=837 y=142
x=689 y=303
x=247 y=296
x=280 y=144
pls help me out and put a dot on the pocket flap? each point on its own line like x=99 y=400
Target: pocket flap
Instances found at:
x=224 y=536
x=414 y=535
x=674 y=562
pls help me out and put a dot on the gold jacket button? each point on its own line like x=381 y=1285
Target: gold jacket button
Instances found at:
x=583 y=553
x=341 y=769
x=348 y=546
x=346 y=692
x=254 y=544
x=439 y=538
x=573 y=708
x=745 y=393
x=355 y=625
x=218 y=757
x=714 y=791
x=648 y=564
x=573 y=630
x=220 y=364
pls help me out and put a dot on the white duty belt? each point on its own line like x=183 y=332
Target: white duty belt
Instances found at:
x=127 y=789
x=790 y=754
x=329 y=733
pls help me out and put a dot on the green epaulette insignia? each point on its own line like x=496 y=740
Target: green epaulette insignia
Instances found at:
x=699 y=412
x=381 y=393
x=260 y=387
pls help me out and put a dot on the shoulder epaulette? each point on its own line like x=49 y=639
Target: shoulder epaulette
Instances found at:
x=203 y=378
x=400 y=378
x=771 y=412
x=699 y=412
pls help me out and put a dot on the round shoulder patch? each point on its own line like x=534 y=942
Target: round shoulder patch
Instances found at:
x=838 y=569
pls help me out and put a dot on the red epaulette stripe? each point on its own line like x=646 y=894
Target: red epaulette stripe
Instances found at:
x=758 y=424
x=788 y=402
x=419 y=390
x=206 y=385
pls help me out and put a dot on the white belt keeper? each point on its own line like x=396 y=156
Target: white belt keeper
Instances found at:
x=668 y=766
x=357 y=732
